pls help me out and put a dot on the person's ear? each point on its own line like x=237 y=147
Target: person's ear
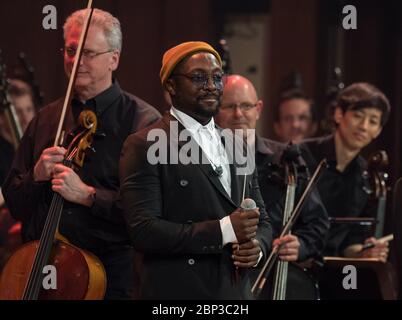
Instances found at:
x=259 y=106
x=170 y=86
x=114 y=60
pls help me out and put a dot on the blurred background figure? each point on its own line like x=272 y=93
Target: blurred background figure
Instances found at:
x=20 y=92
x=294 y=118
x=21 y=96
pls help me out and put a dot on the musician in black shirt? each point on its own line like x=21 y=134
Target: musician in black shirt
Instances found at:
x=361 y=112
x=90 y=218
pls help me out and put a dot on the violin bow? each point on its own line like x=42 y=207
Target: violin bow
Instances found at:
x=262 y=277
x=73 y=75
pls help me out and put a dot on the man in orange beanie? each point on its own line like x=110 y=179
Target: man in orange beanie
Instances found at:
x=184 y=218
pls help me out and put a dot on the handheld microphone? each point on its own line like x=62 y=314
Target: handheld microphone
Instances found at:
x=248 y=204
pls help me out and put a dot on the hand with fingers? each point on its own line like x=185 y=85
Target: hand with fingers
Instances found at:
x=247 y=254
x=288 y=247
x=379 y=251
x=69 y=185
x=245 y=224
x=44 y=168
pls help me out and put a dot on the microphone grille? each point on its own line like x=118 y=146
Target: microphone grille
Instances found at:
x=248 y=204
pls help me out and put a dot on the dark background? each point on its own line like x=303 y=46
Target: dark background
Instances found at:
x=304 y=35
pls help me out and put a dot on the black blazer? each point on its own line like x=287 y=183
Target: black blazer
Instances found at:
x=172 y=212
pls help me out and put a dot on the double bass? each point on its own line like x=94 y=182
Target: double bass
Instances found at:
x=377 y=164
x=79 y=274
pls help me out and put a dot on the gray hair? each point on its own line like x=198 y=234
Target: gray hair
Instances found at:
x=109 y=24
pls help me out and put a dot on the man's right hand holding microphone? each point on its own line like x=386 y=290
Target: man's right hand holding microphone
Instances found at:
x=247 y=252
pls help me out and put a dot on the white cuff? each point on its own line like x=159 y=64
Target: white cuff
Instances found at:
x=228 y=234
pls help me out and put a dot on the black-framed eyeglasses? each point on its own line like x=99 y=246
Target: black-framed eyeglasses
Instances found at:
x=200 y=80
x=245 y=106
x=86 y=53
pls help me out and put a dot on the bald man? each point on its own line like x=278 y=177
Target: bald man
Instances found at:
x=241 y=109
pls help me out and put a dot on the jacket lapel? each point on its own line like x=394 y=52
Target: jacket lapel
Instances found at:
x=213 y=178
x=206 y=168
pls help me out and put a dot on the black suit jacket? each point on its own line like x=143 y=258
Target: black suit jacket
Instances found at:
x=172 y=212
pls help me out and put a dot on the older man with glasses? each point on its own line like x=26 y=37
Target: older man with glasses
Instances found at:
x=90 y=218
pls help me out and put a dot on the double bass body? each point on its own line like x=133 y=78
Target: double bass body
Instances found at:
x=79 y=274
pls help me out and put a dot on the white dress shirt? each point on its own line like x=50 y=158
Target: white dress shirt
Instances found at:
x=208 y=138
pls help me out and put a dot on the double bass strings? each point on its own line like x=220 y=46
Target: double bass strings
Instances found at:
x=40 y=260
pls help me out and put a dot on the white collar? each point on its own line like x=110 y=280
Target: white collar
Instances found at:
x=189 y=122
